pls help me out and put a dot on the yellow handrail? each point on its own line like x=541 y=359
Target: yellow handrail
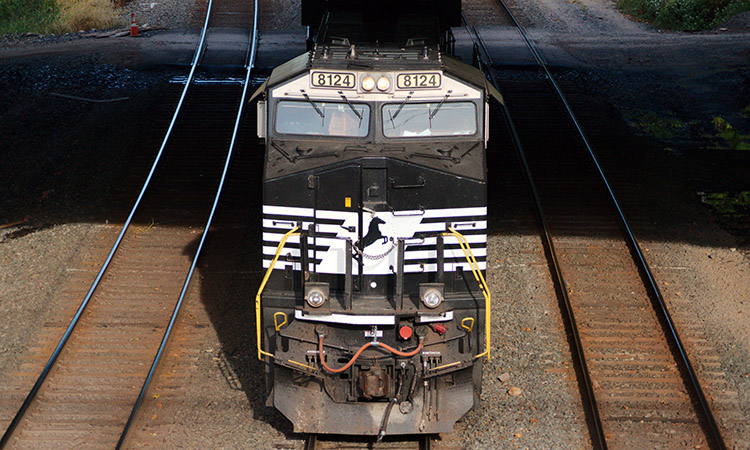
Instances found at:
x=482 y=285
x=276 y=325
x=289 y=234
x=464 y=246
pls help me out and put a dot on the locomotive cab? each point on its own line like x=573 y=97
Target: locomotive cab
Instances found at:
x=374 y=311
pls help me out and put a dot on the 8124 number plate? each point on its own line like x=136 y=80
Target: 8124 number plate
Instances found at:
x=333 y=80
x=430 y=80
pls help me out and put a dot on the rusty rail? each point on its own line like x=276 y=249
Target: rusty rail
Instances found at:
x=66 y=336
x=249 y=68
x=658 y=303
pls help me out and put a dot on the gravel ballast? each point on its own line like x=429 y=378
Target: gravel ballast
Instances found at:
x=530 y=394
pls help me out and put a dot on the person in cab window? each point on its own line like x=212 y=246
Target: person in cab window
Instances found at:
x=343 y=122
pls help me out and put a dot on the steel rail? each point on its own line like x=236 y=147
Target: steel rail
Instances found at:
x=311 y=442
x=598 y=437
x=635 y=246
x=424 y=442
x=249 y=67
x=644 y=269
x=477 y=39
x=38 y=384
x=593 y=409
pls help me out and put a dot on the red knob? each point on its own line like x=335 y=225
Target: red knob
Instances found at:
x=439 y=328
x=405 y=332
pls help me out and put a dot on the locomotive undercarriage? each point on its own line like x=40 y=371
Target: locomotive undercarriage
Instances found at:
x=425 y=389
x=447 y=399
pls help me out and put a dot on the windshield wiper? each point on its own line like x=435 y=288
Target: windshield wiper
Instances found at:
x=307 y=97
x=437 y=108
x=354 y=110
x=400 y=107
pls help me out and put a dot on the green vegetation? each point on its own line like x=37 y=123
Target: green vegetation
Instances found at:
x=27 y=15
x=653 y=125
x=668 y=127
x=56 y=16
x=734 y=139
x=686 y=15
x=727 y=204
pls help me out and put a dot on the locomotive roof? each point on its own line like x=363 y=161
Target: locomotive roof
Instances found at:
x=390 y=28
x=387 y=60
x=374 y=57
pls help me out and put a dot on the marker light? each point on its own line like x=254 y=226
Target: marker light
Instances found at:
x=315 y=297
x=368 y=84
x=383 y=84
x=432 y=298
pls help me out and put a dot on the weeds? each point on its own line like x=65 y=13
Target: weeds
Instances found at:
x=86 y=15
x=734 y=139
x=56 y=16
x=727 y=204
x=686 y=15
x=27 y=15
x=653 y=125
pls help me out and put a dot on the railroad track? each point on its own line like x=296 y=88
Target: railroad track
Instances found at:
x=225 y=14
x=639 y=385
x=315 y=442
x=421 y=442
x=89 y=391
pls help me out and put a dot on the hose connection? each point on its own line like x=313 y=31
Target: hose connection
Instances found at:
x=359 y=352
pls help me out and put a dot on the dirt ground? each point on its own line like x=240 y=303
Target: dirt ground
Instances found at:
x=63 y=162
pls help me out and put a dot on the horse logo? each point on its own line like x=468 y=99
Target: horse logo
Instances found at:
x=373 y=234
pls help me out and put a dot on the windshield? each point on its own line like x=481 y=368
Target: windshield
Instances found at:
x=318 y=118
x=429 y=119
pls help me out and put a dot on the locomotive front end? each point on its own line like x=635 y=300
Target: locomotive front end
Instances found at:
x=373 y=315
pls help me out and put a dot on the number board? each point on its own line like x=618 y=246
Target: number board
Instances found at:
x=428 y=80
x=335 y=80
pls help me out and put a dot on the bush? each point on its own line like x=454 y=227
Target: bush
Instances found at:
x=687 y=15
x=86 y=15
x=734 y=7
x=56 y=16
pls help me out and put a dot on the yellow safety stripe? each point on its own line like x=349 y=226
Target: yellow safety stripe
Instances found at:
x=482 y=285
x=289 y=234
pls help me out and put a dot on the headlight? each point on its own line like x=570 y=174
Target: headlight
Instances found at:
x=383 y=84
x=368 y=84
x=315 y=298
x=432 y=298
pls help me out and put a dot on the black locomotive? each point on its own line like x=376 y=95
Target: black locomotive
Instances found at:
x=373 y=316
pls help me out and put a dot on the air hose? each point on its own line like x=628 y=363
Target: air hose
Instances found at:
x=362 y=349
